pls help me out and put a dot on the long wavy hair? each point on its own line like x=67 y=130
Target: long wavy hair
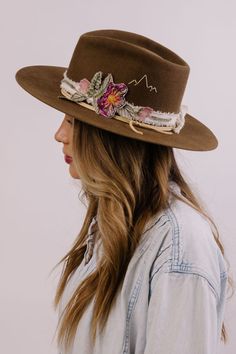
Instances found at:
x=125 y=183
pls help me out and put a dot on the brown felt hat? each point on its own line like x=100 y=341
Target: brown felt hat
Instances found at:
x=124 y=83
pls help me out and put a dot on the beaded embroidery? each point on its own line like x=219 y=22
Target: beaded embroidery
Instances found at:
x=108 y=99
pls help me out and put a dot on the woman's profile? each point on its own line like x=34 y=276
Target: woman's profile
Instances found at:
x=147 y=272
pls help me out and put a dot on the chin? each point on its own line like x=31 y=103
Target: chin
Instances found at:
x=73 y=173
x=75 y=176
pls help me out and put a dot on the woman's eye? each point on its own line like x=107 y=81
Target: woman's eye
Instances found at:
x=69 y=121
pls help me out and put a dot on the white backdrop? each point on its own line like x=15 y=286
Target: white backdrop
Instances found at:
x=40 y=209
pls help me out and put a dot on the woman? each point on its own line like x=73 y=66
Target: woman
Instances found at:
x=147 y=272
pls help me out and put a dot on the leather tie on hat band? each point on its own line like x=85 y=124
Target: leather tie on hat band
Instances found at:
x=107 y=98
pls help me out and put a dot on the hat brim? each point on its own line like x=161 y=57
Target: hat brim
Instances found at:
x=43 y=82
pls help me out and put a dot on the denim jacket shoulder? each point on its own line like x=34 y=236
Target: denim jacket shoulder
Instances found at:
x=188 y=246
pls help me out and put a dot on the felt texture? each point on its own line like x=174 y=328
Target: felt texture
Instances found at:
x=156 y=77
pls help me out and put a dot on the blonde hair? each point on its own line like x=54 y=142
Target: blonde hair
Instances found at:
x=125 y=182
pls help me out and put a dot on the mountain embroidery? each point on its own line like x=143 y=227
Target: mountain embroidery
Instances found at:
x=150 y=87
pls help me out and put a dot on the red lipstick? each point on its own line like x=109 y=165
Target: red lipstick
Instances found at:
x=68 y=159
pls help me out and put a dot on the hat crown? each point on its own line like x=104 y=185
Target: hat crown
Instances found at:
x=155 y=76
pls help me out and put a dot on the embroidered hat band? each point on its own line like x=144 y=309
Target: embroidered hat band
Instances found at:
x=107 y=98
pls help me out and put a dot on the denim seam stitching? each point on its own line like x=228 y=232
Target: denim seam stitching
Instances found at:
x=210 y=283
x=175 y=237
x=131 y=305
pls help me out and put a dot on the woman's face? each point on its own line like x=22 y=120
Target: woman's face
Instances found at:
x=64 y=135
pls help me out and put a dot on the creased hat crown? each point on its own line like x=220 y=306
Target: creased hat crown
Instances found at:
x=155 y=76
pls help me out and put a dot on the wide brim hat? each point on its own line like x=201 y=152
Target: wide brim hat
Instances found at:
x=124 y=83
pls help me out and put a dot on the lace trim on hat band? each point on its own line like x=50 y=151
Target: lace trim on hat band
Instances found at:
x=107 y=99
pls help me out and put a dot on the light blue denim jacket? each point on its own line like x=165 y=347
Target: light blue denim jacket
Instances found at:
x=173 y=296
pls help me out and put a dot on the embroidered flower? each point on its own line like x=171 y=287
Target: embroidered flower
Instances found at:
x=145 y=112
x=82 y=86
x=112 y=99
x=107 y=99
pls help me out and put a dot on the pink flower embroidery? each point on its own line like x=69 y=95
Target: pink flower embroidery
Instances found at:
x=112 y=99
x=145 y=112
x=82 y=86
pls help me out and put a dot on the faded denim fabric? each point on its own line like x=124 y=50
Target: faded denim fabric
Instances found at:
x=173 y=296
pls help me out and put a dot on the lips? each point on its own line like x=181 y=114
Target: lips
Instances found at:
x=68 y=159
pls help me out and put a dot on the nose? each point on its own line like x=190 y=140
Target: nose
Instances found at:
x=61 y=135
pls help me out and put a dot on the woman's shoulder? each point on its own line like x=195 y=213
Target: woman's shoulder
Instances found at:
x=183 y=242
